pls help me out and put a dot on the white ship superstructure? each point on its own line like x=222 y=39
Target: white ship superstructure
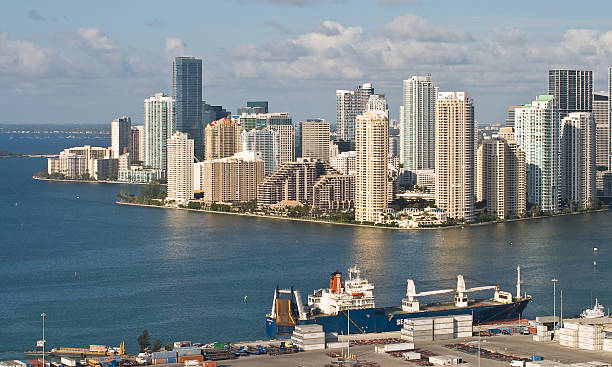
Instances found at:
x=356 y=293
x=596 y=312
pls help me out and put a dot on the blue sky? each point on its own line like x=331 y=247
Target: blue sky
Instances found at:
x=89 y=62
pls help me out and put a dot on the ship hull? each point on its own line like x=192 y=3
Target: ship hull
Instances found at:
x=385 y=319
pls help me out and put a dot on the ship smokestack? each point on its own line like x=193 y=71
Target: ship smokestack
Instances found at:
x=335 y=282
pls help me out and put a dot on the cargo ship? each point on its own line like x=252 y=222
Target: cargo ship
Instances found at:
x=348 y=306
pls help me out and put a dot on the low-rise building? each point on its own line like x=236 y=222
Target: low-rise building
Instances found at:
x=334 y=192
x=293 y=181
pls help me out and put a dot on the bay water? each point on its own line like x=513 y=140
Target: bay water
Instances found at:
x=102 y=272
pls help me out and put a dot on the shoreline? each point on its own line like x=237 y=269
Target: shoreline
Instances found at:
x=90 y=181
x=356 y=224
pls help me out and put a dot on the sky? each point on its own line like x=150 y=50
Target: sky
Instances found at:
x=90 y=62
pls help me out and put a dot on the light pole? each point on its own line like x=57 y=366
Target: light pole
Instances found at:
x=43 y=315
x=554 y=280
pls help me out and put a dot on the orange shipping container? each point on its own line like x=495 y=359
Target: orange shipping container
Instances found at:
x=209 y=364
x=182 y=359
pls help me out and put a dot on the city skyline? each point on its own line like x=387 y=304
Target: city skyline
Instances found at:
x=499 y=62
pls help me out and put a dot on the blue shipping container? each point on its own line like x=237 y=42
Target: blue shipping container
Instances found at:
x=537 y=358
x=172 y=360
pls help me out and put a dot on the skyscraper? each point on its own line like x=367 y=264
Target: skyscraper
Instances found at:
x=510 y=116
x=180 y=168
x=610 y=118
x=537 y=133
x=187 y=93
x=572 y=90
x=158 y=115
x=501 y=166
x=372 y=147
x=120 y=135
x=315 y=139
x=223 y=138
x=137 y=143
x=266 y=142
x=578 y=168
x=454 y=156
x=349 y=104
x=417 y=123
x=602 y=127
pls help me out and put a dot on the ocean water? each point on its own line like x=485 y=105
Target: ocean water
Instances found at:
x=103 y=273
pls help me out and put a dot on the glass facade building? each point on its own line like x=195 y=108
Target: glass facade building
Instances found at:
x=187 y=93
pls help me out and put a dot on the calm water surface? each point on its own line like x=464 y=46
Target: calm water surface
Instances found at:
x=103 y=273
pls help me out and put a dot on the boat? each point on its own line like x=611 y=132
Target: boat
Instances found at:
x=593 y=313
x=349 y=306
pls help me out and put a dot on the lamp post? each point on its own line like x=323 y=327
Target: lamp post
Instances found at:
x=554 y=280
x=43 y=315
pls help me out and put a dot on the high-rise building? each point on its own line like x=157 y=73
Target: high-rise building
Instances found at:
x=501 y=176
x=315 y=139
x=212 y=113
x=602 y=127
x=454 y=156
x=345 y=162
x=537 y=134
x=417 y=124
x=266 y=142
x=230 y=179
x=120 y=135
x=293 y=181
x=349 y=104
x=572 y=90
x=578 y=167
x=180 y=168
x=137 y=143
x=371 y=142
x=377 y=102
x=187 y=93
x=610 y=117
x=258 y=104
x=158 y=115
x=223 y=138
x=510 y=116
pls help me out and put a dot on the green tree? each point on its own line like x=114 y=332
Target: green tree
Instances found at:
x=157 y=345
x=169 y=346
x=194 y=205
x=144 y=341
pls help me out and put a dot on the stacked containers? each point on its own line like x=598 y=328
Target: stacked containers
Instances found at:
x=607 y=344
x=463 y=326
x=164 y=357
x=418 y=330
x=590 y=337
x=309 y=337
x=568 y=335
x=189 y=354
x=543 y=335
x=444 y=328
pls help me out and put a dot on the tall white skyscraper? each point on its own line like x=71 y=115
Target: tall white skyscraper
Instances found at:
x=417 y=123
x=349 y=104
x=455 y=154
x=578 y=159
x=266 y=142
x=372 y=137
x=536 y=131
x=120 y=135
x=180 y=168
x=158 y=114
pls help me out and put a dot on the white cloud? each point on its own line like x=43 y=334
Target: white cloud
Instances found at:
x=174 y=46
x=94 y=39
x=19 y=57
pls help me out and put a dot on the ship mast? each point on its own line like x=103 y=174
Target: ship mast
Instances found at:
x=518 y=282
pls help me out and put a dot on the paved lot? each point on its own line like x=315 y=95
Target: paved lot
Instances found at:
x=518 y=345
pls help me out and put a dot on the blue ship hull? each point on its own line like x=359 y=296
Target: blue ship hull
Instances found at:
x=384 y=319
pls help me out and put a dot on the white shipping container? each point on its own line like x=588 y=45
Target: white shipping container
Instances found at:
x=570 y=325
x=419 y=327
x=337 y=345
x=309 y=335
x=467 y=334
x=463 y=329
x=443 y=320
x=314 y=347
x=463 y=318
x=418 y=321
x=68 y=362
x=443 y=331
x=398 y=347
x=440 y=360
x=411 y=355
